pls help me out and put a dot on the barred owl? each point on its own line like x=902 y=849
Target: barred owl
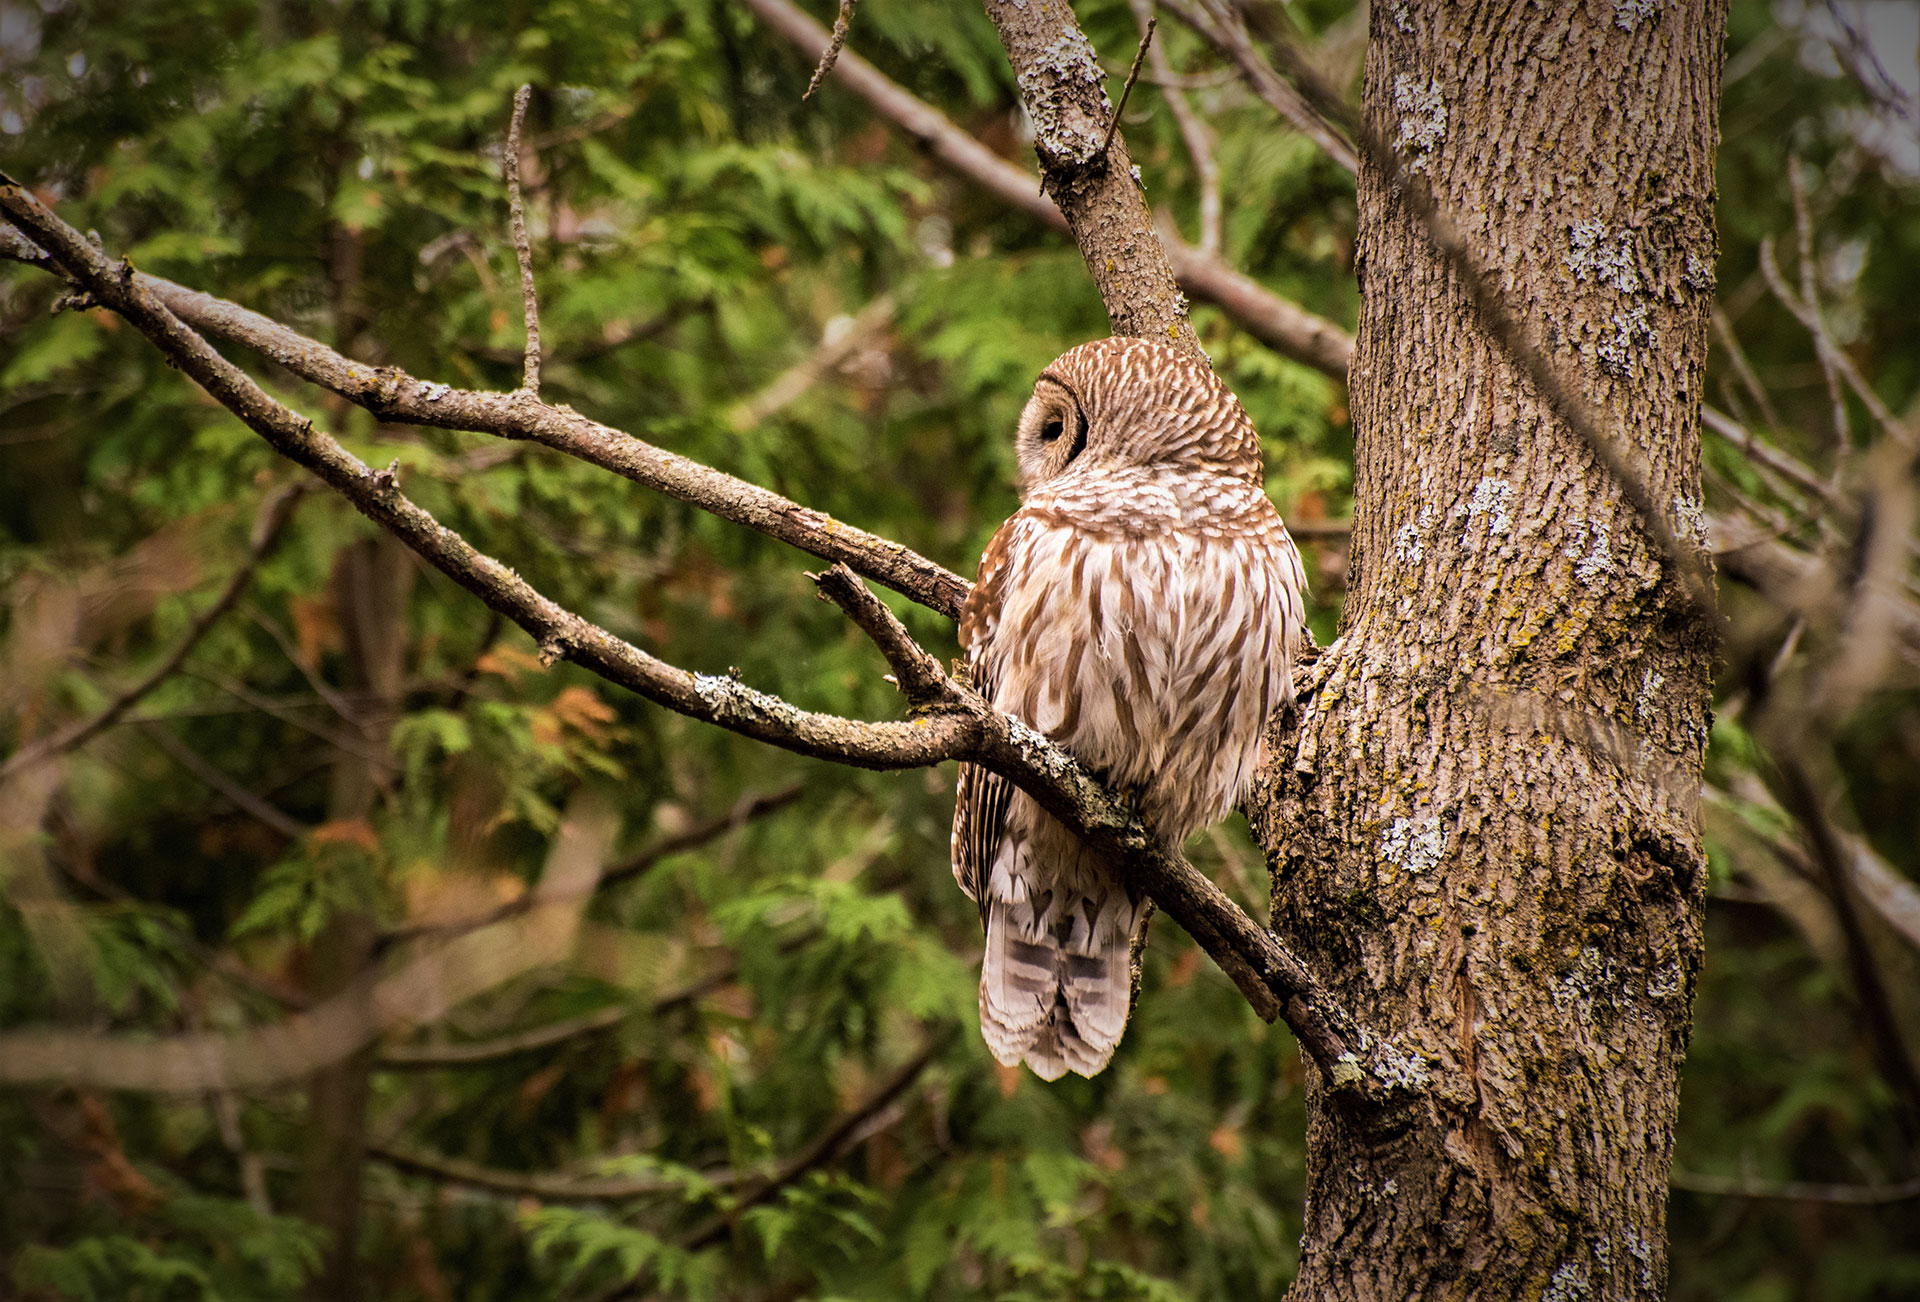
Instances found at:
x=1142 y=608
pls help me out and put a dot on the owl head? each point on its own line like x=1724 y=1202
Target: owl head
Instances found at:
x=1123 y=402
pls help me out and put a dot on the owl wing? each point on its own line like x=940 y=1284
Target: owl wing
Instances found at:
x=980 y=807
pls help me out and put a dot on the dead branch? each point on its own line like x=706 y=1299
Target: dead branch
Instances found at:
x=557 y=631
x=1133 y=75
x=1222 y=27
x=842 y=21
x=963 y=726
x=919 y=675
x=1196 y=133
x=522 y=248
x=1796 y=1191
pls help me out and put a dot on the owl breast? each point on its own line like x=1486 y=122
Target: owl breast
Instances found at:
x=1150 y=627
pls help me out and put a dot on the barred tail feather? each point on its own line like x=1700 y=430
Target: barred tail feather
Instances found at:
x=1046 y=1005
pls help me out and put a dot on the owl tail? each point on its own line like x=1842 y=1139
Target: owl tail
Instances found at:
x=1054 y=990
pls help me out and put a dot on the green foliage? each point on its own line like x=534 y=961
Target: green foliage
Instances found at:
x=697 y=232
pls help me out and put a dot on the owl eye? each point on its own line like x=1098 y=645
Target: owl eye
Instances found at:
x=1052 y=430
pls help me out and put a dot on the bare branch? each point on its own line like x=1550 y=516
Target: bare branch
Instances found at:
x=1197 y=134
x=744 y=811
x=1795 y=1191
x=1792 y=579
x=842 y=21
x=1222 y=27
x=193 y=762
x=1126 y=91
x=393 y=395
x=1737 y=357
x=522 y=249
x=559 y=632
x=267 y=525
x=919 y=675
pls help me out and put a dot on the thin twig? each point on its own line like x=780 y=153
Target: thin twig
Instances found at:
x=335 y=700
x=267 y=525
x=193 y=762
x=1795 y=1191
x=823 y=1149
x=836 y=346
x=241 y=692
x=842 y=21
x=1810 y=295
x=417 y=1057
x=1737 y=358
x=522 y=248
x=919 y=675
x=1894 y=427
x=1195 y=132
x=1126 y=91
x=550 y=1187
x=1225 y=30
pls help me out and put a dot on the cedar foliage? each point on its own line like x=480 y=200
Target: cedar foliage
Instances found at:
x=698 y=231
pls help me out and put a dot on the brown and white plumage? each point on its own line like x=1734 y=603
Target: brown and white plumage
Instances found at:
x=1142 y=608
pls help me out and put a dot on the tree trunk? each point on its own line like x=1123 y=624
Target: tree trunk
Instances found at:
x=1484 y=827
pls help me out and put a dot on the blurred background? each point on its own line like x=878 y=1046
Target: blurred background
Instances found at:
x=756 y=1074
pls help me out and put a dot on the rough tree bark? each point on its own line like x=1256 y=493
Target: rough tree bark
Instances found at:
x=1483 y=825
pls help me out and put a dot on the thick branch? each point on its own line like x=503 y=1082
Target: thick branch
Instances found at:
x=1283 y=326
x=558 y=631
x=1092 y=183
x=963 y=726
